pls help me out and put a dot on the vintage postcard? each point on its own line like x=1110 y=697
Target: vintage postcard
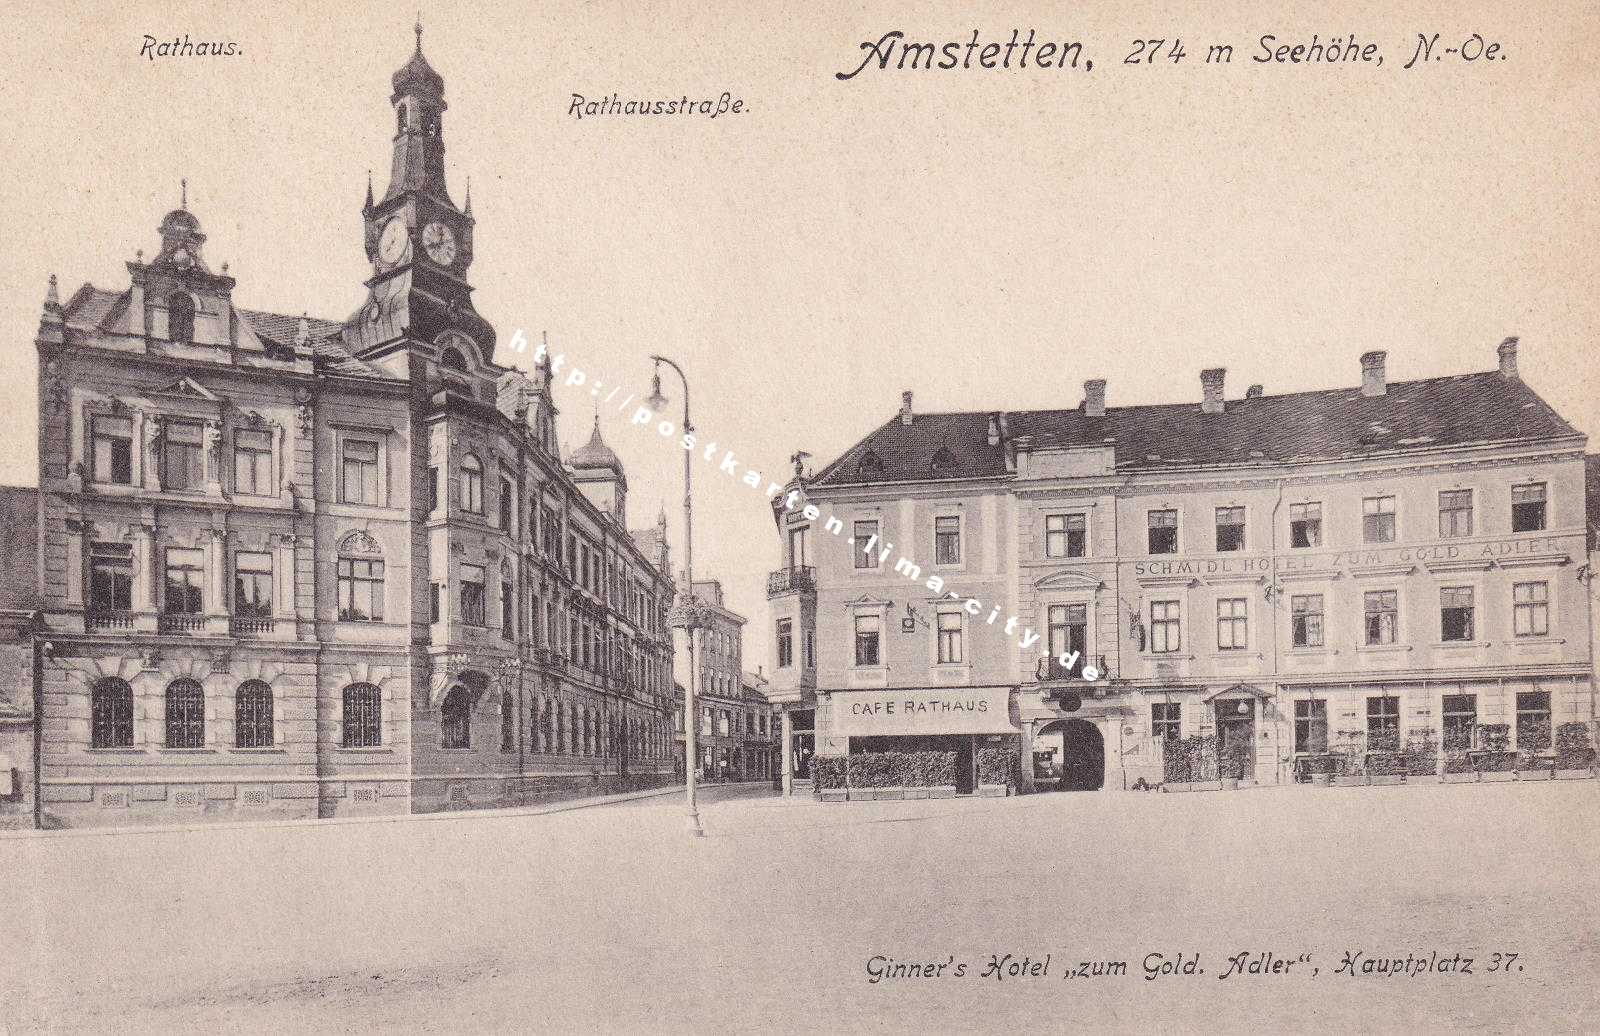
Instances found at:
x=869 y=518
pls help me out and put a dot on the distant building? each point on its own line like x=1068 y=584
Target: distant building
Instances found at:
x=735 y=739
x=19 y=603
x=1271 y=580
x=294 y=567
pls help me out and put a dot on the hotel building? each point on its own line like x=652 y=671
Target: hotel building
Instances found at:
x=1282 y=576
x=295 y=567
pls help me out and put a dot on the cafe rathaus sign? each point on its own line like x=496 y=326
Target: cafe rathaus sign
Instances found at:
x=1535 y=548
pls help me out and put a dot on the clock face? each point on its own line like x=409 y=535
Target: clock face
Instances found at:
x=440 y=243
x=394 y=241
x=181 y=257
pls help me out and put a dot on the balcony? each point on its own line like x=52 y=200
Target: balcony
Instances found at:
x=108 y=620
x=249 y=625
x=1050 y=670
x=181 y=622
x=795 y=577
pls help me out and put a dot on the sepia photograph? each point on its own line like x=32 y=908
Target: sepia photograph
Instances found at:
x=613 y=517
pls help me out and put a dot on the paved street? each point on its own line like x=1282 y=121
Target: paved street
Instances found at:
x=609 y=919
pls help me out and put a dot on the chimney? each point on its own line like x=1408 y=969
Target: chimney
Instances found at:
x=1508 y=358
x=1372 y=381
x=1253 y=392
x=1094 y=398
x=1211 y=389
x=905 y=408
x=994 y=429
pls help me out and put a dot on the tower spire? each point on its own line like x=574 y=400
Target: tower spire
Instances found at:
x=467 y=208
x=418 y=29
x=183 y=194
x=368 y=206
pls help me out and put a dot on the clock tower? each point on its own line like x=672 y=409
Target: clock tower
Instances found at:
x=418 y=241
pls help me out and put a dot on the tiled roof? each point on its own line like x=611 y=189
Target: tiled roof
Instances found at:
x=1298 y=427
x=89 y=307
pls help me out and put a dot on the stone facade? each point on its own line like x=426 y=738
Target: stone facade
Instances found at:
x=293 y=567
x=736 y=737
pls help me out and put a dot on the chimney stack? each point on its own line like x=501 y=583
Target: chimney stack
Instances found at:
x=994 y=429
x=1253 y=392
x=1372 y=378
x=1508 y=358
x=905 y=408
x=1211 y=389
x=1094 y=398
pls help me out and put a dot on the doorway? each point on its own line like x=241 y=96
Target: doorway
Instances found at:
x=1236 y=737
x=1069 y=755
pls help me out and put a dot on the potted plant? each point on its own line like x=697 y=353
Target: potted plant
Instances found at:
x=997 y=771
x=1535 y=761
x=1231 y=767
x=1494 y=759
x=1385 y=764
x=1352 y=770
x=1422 y=757
x=1575 y=755
x=1190 y=763
x=828 y=777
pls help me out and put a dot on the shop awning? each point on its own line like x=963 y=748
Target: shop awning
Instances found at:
x=931 y=710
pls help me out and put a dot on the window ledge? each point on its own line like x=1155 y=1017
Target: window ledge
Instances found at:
x=1166 y=656
x=116 y=751
x=374 y=750
x=1536 y=641
x=259 y=751
x=1306 y=652
x=1460 y=645
x=187 y=751
x=1379 y=649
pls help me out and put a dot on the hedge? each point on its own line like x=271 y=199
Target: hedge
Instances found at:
x=1574 y=748
x=827 y=771
x=902 y=769
x=1190 y=759
x=998 y=765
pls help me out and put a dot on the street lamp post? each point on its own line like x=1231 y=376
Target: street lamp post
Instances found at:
x=687 y=615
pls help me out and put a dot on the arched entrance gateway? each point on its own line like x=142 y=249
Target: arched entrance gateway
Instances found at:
x=1069 y=755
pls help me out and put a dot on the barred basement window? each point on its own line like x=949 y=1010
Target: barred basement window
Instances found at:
x=455 y=720
x=186 y=714
x=1306 y=617
x=1305 y=524
x=1163 y=532
x=1530 y=603
x=252 y=724
x=1528 y=507
x=1455 y=613
x=111 y=714
x=362 y=721
x=1230 y=528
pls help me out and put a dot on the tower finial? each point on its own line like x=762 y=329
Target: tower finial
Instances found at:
x=369 y=190
x=183 y=198
x=467 y=210
x=418 y=28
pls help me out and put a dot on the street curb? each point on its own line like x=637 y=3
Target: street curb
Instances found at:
x=319 y=822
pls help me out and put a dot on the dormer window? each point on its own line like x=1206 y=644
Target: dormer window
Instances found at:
x=180 y=317
x=870 y=464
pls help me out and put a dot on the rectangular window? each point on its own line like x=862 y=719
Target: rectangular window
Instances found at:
x=1377 y=519
x=1527 y=507
x=1460 y=717
x=360 y=590
x=947 y=540
x=1233 y=624
x=252 y=462
x=1383 y=723
x=1306 y=617
x=252 y=584
x=434 y=595
x=1455 y=512
x=867 y=630
x=183 y=463
x=360 y=472
x=1382 y=615
x=1163 y=532
x=1533 y=721
x=1305 y=524
x=433 y=487
x=1455 y=613
x=864 y=534
x=1230 y=528
x=1164 y=633
x=1067 y=629
x=113 y=450
x=472 y=599
x=110 y=577
x=508 y=500
x=785 y=643
x=949 y=638
x=1530 y=606
x=799 y=541
x=185 y=577
x=508 y=609
x=1165 y=720
x=1066 y=535
x=808 y=649
x=1311 y=726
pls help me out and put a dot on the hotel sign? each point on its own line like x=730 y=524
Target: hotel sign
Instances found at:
x=1334 y=562
x=934 y=710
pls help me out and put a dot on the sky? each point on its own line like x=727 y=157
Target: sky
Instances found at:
x=987 y=239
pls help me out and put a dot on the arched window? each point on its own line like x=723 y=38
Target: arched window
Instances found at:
x=363 y=716
x=186 y=714
x=471 y=496
x=111 y=711
x=180 y=317
x=508 y=723
x=451 y=359
x=508 y=500
x=400 y=118
x=455 y=719
x=252 y=710
x=508 y=602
